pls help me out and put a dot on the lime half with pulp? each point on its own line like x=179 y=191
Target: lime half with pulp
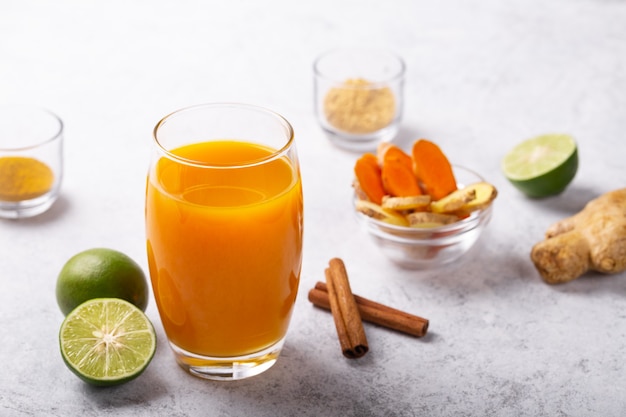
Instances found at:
x=542 y=166
x=107 y=341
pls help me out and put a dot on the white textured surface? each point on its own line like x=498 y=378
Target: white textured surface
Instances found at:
x=482 y=75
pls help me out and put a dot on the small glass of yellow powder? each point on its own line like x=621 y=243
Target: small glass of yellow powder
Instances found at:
x=359 y=96
x=31 y=160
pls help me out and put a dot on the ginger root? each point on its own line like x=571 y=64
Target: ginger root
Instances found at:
x=593 y=239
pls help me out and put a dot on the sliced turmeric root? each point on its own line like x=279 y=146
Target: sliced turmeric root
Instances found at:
x=433 y=169
x=454 y=201
x=427 y=219
x=377 y=212
x=485 y=194
x=368 y=175
x=386 y=151
x=416 y=202
x=399 y=180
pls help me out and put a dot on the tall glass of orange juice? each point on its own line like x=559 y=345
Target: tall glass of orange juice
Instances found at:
x=224 y=236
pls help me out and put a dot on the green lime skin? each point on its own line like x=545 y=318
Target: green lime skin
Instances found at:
x=551 y=183
x=101 y=273
x=107 y=341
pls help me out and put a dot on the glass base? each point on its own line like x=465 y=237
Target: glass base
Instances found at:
x=228 y=368
x=28 y=208
x=361 y=143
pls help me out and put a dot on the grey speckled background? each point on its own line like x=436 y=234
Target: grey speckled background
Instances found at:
x=482 y=75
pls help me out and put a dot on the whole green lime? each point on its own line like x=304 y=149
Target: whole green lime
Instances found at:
x=101 y=273
x=542 y=166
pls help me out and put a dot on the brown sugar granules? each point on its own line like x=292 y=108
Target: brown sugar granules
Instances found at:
x=359 y=106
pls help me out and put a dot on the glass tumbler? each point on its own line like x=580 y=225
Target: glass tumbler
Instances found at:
x=31 y=160
x=359 y=96
x=224 y=224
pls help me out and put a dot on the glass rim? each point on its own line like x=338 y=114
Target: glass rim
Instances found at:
x=58 y=134
x=278 y=153
x=398 y=76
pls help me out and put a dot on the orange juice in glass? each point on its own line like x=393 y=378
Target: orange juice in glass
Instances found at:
x=224 y=236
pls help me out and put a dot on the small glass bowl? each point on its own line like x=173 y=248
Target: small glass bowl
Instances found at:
x=425 y=248
x=31 y=160
x=359 y=96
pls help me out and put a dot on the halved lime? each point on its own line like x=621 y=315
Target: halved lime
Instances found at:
x=107 y=341
x=542 y=166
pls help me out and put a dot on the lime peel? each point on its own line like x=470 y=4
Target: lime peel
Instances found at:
x=100 y=273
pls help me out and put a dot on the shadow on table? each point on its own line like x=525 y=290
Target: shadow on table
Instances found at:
x=569 y=202
x=594 y=284
x=58 y=209
x=308 y=383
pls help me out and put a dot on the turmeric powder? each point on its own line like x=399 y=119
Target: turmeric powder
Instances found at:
x=24 y=178
x=359 y=107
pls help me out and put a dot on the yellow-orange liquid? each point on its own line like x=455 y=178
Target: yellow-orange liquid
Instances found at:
x=224 y=247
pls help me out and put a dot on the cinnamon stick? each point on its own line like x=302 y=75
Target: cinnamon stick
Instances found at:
x=345 y=312
x=374 y=312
